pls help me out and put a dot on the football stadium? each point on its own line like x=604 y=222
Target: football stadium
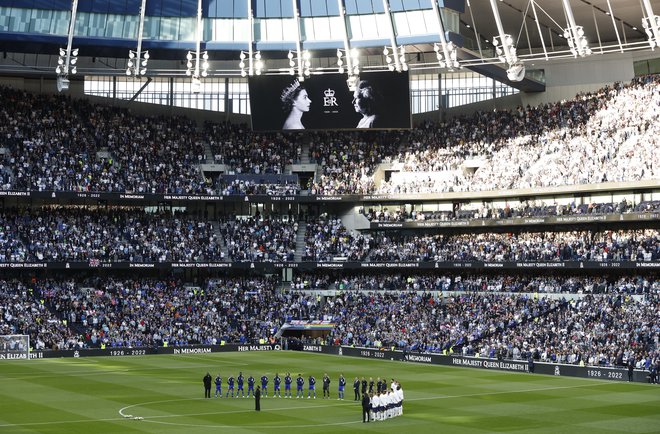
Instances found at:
x=329 y=216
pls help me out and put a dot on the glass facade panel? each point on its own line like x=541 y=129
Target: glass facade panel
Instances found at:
x=424 y=93
x=368 y=26
x=151 y=27
x=187 y=29
x=230 y=30
x=241 y=30
x=239 y=101
x=169 y=29
x=415 y=23
x=316 y=29
x=276 y=29
x=450 y=19
x=461 y=88
x=158 y=91
x=273 y=8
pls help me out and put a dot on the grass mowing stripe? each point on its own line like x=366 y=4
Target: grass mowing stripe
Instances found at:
x=446 y=399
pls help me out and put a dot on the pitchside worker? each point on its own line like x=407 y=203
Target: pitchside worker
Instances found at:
x=356 y=388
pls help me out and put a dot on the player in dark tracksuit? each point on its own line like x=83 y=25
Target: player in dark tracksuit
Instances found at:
x=326 y=386
x=207 y=385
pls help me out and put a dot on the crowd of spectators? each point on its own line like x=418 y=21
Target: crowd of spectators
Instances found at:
x=23 y=312
x=487 y=283
x=246 y=152
x=247 y=187
x=53 y=234
x=623 y=245
x=348 y=160
x=55 y=143
x=260 y=239
x=595 y=329
x=327 y=239
x=530 y=208
x=58 y=234
x=605 y=136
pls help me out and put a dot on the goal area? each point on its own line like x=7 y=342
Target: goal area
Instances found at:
x=14 y=347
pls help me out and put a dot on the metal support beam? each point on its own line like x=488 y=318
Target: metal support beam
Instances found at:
x=302 y=59
x=616 y=29
x=141 y=29
x=144 y=86
x=449 y=51
x=72 y=27
x=395 y=48
x=600 y=43
x=347 y=45
x=651 y=23
x=574 y=34
x=538 y=27
x=506 y=42
x=251 y=42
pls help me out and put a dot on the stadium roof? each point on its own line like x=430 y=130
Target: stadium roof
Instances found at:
x=108 y=29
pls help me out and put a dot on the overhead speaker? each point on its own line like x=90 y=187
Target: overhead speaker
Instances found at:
x=516 y=72
x=62 y=84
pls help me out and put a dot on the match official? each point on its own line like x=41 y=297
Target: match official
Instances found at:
x=366 y=408
x=207 y=385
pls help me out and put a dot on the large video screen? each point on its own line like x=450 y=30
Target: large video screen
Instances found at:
x=381 y=100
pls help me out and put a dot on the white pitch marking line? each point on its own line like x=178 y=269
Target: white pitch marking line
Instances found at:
x=290 y=408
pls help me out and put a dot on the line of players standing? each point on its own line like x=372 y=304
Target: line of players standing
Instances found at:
x=236 y=386
x=379 y=404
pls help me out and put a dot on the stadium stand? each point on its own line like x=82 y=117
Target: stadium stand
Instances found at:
x=55 y=144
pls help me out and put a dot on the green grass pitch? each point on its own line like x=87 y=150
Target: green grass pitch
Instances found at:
x=89 y=395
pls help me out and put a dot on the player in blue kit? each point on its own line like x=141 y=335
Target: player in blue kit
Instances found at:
x=264 y=386
x=239 y=382
x=312 y=387
x=250 y=381
x=230 y=386
x=300 y=382
x=218 y=386
x=287 y=385
x=342 y=386
x=276 y=385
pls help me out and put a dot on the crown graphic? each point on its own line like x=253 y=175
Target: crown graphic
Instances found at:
x=329 y=92
x=286 y=93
